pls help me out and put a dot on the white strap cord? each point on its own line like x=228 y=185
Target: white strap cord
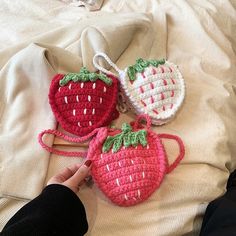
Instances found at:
x=122 y=106
x=109 y=61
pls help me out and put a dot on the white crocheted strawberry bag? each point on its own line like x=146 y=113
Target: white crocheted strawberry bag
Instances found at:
x=153 y=87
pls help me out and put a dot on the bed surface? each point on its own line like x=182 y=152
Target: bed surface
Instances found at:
x=40 y=39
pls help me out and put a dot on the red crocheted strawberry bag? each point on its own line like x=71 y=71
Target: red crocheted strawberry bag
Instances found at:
x=84 y=101
x=128 y=164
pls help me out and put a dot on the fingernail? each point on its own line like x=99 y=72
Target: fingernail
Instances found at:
x=88 y=163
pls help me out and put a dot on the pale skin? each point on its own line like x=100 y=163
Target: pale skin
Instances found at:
x=72 y=176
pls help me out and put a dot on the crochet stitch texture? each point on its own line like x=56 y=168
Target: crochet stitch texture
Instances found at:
x=153 y=87
x=83 y=101
x=129 y=174
x=128 y=164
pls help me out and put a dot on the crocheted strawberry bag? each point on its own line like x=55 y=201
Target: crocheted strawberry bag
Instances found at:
x=84 y=101
x=153 y=87
x=128 y=164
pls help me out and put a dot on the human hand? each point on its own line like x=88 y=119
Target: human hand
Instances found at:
x=72 y=176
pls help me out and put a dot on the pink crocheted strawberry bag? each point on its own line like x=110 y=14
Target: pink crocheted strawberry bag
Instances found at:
x=128 y=164
x=153 y=87
x=84 y=101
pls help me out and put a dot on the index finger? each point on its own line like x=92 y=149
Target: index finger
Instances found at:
x=69 y=171
x=79 y=175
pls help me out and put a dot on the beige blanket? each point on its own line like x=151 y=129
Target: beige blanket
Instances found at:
x=40 y=39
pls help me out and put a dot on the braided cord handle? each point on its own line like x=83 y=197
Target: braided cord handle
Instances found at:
x=67 y=138
x=181 y=150
x=109 y=61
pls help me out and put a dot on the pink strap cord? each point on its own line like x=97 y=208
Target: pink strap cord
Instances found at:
x=67 y=138
x=181 y=150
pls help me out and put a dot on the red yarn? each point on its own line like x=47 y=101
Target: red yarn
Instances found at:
x=81 y=107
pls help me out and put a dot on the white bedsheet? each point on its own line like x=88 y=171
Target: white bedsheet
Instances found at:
x=39 y=39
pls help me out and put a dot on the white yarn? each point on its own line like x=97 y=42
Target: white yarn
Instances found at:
x=108 y=60
x=166 y=107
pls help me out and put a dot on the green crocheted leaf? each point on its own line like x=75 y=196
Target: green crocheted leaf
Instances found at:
x=140 y=65
x=117 y=144
x=134 y=139
x=131 y=73
x=84 y=75
x=108 y=144
x=126 y=138
x=126 y=128
x=142 y=137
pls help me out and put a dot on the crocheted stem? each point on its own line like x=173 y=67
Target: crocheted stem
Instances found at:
x=84 y=75
x=126 y=138
x=140 y=65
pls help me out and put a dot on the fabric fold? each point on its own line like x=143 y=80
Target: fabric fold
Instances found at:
x=25 y=79
x=23 y=162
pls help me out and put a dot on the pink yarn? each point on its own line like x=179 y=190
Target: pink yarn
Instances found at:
x=67 y=138
x=130 y=175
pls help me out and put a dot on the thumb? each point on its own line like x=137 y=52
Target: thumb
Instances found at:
x=74 y=181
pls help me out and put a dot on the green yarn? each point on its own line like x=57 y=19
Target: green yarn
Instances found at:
x=126 y=138
x=84 y=75
x=140 y=65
